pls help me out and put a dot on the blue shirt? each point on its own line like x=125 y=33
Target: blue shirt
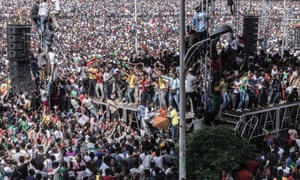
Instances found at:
x=200 y=21
x=173 y=83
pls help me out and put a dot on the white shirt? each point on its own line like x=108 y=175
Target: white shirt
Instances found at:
x=158 y=160
x=87 y=102
x=106 y=76
x=47 y=164
x=43 y=9
x=189 y=83
x=103 y=166
x=236 y=84
x=147 y=161
x=44 y=95
x=57 y=5
x=17 y=155
x=52 y=59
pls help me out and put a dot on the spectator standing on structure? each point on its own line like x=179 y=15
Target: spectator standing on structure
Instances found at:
x=244 y=97
x=131 y=80
x=224 y=92
x=92 y=75
x=106 y=83
x=99 y=83
x=43 y=15
x=53 y=63
x=190 y=88
x=145 y=83
x=231 y=6
x=174 y=85
x=276 y=88
x=57 y=6
x=35 y=12
x=200 y=25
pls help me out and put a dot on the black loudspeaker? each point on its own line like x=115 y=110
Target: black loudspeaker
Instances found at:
x=250 y=33
x=18 y=40
x=17 y=29
x=21 y=84
x=15 y=46
x=19 y=69
x=20 y=74
x=18 y=52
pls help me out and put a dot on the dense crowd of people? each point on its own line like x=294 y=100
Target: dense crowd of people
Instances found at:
x=86 y=53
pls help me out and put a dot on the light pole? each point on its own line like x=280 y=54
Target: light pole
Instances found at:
x=182 y=151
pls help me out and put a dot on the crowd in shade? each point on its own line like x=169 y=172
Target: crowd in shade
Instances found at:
x=90 y=60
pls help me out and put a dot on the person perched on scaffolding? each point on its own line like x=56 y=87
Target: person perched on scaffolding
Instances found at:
x=43 y=64
x=231 y=6
x=55 y=12
x=44 y=97
x=52 y=62
x=199 y=26
x=34 y=14
x=43 y=16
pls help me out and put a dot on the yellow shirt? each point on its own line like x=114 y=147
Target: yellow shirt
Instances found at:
x=3 y=88
x=92 y=73
x=131 y=80
x=174 y=117
x=162 y=84
x=283 y=178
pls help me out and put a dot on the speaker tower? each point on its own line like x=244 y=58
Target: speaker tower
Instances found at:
x=18 y=40
x=250 y=33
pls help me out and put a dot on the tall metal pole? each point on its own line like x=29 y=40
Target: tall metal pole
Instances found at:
x=284 y=29
x=182 y=148
x=136 y=33
x=265 y=16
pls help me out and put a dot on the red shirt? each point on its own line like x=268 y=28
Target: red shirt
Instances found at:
x=108 y=177
x=99 y=77
x=252 y=165
x=145 y=84
x=243 y=175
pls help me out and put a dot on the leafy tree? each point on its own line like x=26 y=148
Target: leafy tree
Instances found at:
x=213 y=149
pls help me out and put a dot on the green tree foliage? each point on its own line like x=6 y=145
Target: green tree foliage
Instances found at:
x=214 y=148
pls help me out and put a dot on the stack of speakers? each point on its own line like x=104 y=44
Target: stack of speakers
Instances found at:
x=250 y=34
x=18 y=40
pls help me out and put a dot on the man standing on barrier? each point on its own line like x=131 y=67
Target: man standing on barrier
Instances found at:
x=200 y=26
